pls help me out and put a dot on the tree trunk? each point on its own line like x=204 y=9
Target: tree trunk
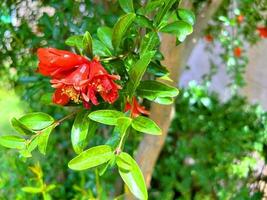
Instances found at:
x=175 y=59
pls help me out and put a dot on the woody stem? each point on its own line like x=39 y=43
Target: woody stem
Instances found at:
x=66 y=117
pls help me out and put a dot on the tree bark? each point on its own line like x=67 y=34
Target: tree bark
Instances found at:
x=175 y=59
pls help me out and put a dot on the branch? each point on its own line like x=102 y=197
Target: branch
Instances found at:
x=175 y=58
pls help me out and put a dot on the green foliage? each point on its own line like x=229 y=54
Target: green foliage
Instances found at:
x=146 y=125
x=79 y=131
x=212 y=147
x=92 y=157
x=153 y=90
x=133 y=176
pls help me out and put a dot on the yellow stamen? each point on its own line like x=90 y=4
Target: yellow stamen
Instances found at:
x=72 y=94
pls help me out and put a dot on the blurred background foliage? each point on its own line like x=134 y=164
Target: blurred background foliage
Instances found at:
x=212 y=148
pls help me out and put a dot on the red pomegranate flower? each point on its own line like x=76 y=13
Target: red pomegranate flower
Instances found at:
x=135 y=108
x=57 y=63
x=79 y=80
x=237 y=52
x=209 y=38
x=262 y=32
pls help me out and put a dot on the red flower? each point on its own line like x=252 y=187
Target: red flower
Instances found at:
x=57 y=63
x=240 y=19
x=262 y=32
x=79 y=80
x=135 y=108
x=209 y=38
x=237 y=52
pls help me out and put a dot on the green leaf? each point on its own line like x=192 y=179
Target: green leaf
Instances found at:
x=144 y=22
x=137 y=71
x=114 y=140
x=154 y=89
x=163 y=100
x=108 y=117
x=79 y=131
x=87 y=43
x=46 y=196
x=180 y=28
x=43 y=139
x=105 y=36
x=123 y=123
x=123 y=162
x=153 y=5
x=149 y=42
x=100 y=49
x=133 y=177
x=146 y=125
x=37 y=120
x=103 y=168
x=127 y=6
x=75 y=41
x=120 y=29
x=33 y=144
x=21 y=128
x=50 y=187
x=157 y=70
x=13 y=142
x=33 y=190
x=187 y=16
x=91 y=158
x=161 y=13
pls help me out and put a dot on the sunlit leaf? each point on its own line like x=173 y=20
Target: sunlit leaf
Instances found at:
x=120 y=29
x=133 y=177
x=146 y=125
x=79 y=131
x=127 y=6
x=108 y=117
x=13 y=142
x=92 y=157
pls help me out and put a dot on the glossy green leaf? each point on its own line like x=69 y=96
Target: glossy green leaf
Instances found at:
x=46 y=196
x=92 y=157
x=133 y=177
x=153 y=89
x=127 y=6
x=164 y=100
x=104 y=34
x=137 y=71
x=75 y=41
x=88 y=43
x=79 y=131
x=21 y=128
x=25 y=153
x=33 y=144
x=108 y=117
x=103 y=168
x=149 y=42
x=122 y=161
x=146 y=125
x=33 y=190
x=157 y=69
x=180 y=28
x=43 y=139
x=144 y=22
x=13 y=142
x=163 y=10
x=123 y=123
x=153 y=5
x=100 y=49
x=37 y=120
x=187 y=16
x=120 y=29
